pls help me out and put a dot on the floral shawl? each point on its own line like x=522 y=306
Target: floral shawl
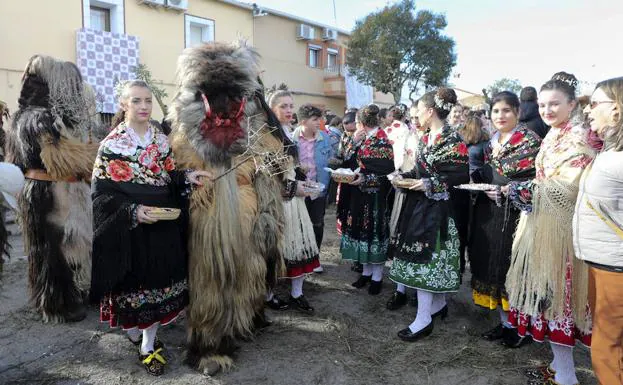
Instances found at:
x=515 y=159
x=442 y=164
x=375 y=158
x=122 y=157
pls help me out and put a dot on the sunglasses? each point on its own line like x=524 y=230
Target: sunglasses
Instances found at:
x=594 y=103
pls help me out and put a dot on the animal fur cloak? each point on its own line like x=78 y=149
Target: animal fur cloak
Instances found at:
x=219 y=119
x=49 y=141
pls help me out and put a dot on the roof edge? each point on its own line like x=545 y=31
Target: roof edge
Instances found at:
x=284 y=15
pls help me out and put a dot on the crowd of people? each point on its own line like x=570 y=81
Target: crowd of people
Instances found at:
x=524 y=190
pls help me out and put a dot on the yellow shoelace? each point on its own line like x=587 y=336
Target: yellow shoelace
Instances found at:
x=155 y=355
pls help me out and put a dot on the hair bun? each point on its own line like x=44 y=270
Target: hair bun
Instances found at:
x=445 y=98
x=371 y=110
x=566 y=78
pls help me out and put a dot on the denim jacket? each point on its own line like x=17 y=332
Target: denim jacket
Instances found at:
x=323 y=151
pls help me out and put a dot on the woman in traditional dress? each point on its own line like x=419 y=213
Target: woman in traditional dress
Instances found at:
x=300 y=251
x=366 y=236
x=139 y=262
x=598 y=231
x=509 y=157
x=345 y=155
x=547 y=287
x=410 y=151
x=426 y=252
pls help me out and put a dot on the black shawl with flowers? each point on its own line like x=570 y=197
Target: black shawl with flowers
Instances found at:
x=425 y=215
x=375 y=158
x=128 y=255
x=514 y=161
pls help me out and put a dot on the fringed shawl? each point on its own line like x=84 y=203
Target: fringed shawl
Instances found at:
x=543 y=259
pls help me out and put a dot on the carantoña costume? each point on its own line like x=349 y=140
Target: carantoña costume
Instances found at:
x=236 y=222
x=50 y=141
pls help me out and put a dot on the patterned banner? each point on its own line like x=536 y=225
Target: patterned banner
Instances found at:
x=105 y=58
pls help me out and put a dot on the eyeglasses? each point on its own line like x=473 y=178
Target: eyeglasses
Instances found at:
x=595 y=103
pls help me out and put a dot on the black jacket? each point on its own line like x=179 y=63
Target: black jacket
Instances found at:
x=529 y=115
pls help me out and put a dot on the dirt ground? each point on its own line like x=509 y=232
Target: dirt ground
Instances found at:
x=350 y=340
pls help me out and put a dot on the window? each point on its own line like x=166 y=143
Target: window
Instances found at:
x=100 y=19
x=103 y=15
x=198 y=30
x=315 y=56
x=332 y=60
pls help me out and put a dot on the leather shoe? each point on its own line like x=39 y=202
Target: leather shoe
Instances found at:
x=362 y=281
x=375 y=287
x=301 y=304
x=277 y=304
x=409 y=336
x=443 y=313
x=494 y=334
x=396 y=301
x=512 y=339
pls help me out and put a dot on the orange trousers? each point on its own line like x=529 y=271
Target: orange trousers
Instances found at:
x=607 y=342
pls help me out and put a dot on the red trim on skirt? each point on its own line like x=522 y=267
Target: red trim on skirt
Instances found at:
x=107 y=316
x=561 y=330
x=298 y=271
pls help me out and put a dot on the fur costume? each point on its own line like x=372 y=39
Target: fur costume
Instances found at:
x=236 y=223
x=49 y=140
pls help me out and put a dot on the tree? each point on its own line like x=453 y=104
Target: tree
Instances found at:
x=395 y=47
x=503 y=84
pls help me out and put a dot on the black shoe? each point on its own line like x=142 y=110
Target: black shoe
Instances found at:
x=396 y=301
x=357 y=267
x=362 y=281
x=443 y=313
x=375 y=287
x=409 y=336
x=512 y=339
x=301 y=304
x=494 y=334
x=277 y=304
x=413 y=300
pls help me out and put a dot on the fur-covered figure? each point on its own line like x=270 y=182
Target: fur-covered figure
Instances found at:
x=49 y=140
x=221 y=124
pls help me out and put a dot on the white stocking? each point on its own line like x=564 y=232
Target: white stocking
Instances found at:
x=377 y=272
x=503 y=316
x=367 y=269
x=423 y=317
x=134 y=334
x=401 y=288
x=297 y=286
x=563 y=364
x=149 y=337
x=439 y=301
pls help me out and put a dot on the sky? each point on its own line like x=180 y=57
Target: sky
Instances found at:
x=529 y=40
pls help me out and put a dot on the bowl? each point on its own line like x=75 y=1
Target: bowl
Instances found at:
x=164 y=213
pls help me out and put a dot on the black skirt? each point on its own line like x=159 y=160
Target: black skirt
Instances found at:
x=489 y=249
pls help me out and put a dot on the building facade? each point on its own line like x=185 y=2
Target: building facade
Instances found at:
x=108 y=38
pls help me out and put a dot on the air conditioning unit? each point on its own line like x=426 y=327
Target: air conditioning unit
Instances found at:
x=153 y=2
x=329 y=34
x=304 y=32
x=181 y=5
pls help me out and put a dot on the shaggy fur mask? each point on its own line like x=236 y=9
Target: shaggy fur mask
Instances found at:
x=216 y=83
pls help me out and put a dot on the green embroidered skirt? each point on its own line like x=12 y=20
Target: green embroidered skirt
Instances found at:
x=441 y=274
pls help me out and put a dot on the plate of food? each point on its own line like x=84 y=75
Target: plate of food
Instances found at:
x=164 y=213
x=404 y=183
x=477 y=186
x=313 y=188
x=343 y=175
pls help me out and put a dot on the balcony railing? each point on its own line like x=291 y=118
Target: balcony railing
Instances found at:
x=335 y=71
